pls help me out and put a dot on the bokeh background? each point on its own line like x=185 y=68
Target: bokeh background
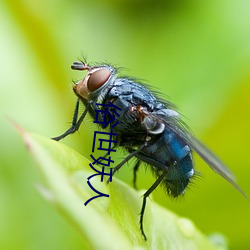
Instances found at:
x=195 y=52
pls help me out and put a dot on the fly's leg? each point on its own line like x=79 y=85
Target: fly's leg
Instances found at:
x=127 y=158
x=75 y=123
x=136 y=167
x=145 y=196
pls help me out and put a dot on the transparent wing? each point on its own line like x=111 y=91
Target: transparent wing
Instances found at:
x=175 y=124
x=208 y=156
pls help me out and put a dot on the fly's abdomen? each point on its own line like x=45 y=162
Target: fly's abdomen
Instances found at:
x=170 y=155
x=178 y=176
x=180 y=166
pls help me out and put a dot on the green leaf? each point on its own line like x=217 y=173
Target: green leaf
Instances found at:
x=107 y=223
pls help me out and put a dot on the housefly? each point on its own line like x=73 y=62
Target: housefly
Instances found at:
x=149 y=128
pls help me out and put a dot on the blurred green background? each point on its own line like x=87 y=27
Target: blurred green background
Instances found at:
x=195 y=52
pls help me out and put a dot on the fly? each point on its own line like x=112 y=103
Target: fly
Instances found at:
x=149 y=128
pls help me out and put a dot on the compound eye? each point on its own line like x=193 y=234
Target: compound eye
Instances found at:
x=97 y=79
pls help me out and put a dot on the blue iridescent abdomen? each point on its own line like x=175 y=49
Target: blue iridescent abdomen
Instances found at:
x=172 y=155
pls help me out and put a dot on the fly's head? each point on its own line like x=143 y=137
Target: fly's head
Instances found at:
x=96 y=79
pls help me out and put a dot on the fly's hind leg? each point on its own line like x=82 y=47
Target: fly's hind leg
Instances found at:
x=145 y=196
x=136 y=167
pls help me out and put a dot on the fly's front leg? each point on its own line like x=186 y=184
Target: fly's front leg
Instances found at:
x=145 y=196
x=75 y=123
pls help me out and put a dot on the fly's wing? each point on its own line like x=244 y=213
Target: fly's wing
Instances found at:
x=212 y=160
x=175 y=124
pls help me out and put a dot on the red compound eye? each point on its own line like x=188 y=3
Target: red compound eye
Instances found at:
x=97 y=79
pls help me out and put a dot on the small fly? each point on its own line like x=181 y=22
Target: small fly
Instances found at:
x=149 y=128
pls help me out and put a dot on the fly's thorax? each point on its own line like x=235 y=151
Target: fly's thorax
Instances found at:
x=154 y=122
x=94 y=85
x=152 y=125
